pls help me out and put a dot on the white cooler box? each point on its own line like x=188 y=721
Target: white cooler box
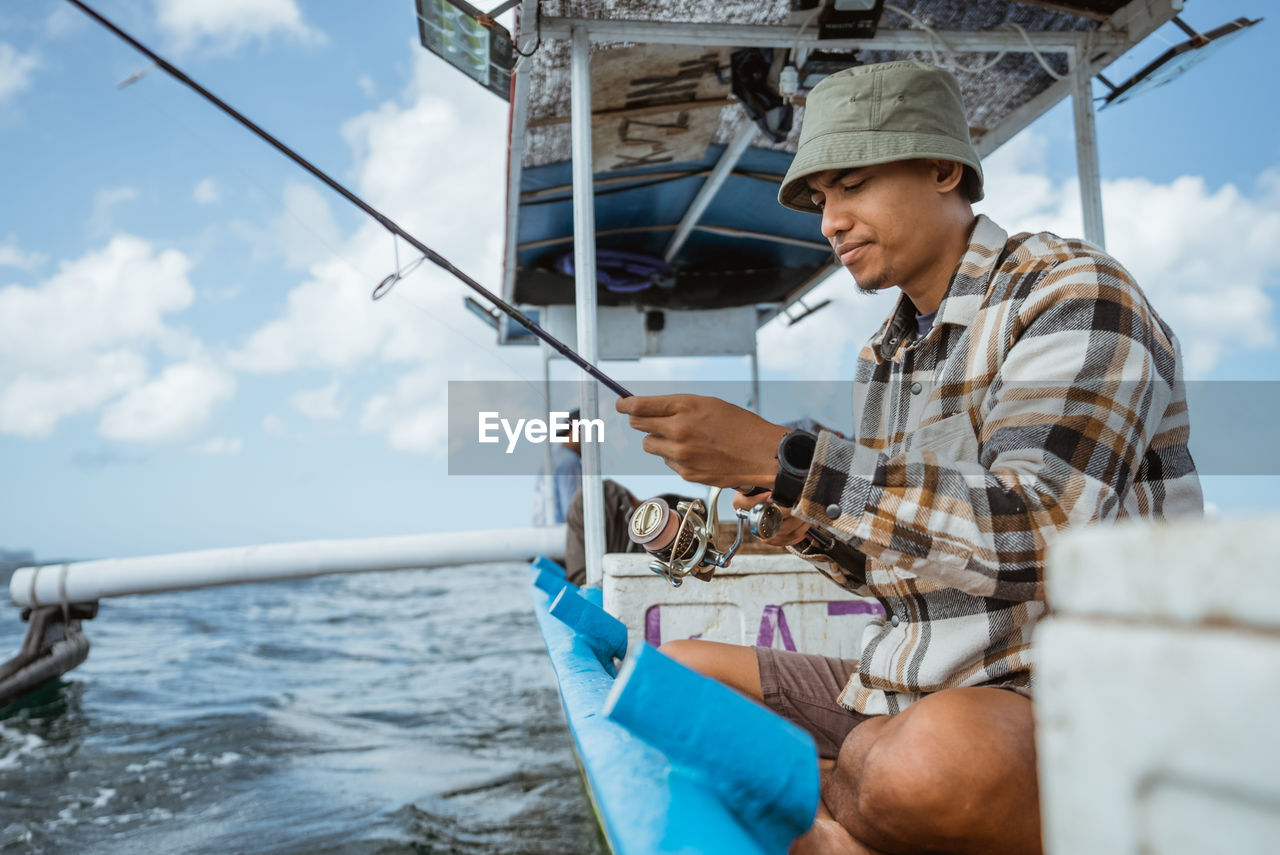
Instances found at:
x=1158 y=690
x=767 y=600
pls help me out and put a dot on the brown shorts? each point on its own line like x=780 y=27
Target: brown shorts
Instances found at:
x=803 y=687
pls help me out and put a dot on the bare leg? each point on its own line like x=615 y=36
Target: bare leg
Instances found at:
x=828 y=837
x=732 y=664
x=736 y=666
x=955 y=773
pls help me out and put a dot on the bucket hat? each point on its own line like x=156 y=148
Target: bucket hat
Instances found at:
x=880 y=113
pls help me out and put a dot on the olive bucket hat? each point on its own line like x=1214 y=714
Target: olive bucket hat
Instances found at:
x=878 y=114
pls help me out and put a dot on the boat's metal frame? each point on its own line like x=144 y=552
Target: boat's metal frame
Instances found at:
x=584 y=265
x=1087 y=52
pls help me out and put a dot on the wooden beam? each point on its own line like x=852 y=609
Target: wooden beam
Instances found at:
x=650 y=110
x=1068 y=8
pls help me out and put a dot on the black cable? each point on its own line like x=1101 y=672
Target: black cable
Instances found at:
x=430 y=254
x=537 y=26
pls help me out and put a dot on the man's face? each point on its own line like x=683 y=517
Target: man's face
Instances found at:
x=881 y=220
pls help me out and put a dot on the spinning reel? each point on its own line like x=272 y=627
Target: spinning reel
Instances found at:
x=683 y=542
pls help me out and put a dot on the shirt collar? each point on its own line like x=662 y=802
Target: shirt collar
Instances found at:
x=965 y=293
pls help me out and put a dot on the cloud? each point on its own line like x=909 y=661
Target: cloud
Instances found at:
x=413 y=415
x=110 y=298
x=409 y=164
x=63 y=21
x=85 y=335
x=274 y=426
x=305 y=230
x=228 y=24
x=218 y=446
x=410 y=160
x=104 y=457
x=15 y=70
x=12 y=255
x=33 y=402
x=105 y=202
x=319 y=404
x=366 y=85
x=1206 y=257
x=206 y=192
x=172 y=406
x=823 y=345
x=329 y=322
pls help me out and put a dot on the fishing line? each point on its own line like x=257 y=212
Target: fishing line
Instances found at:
x=430 y=254
x=518 y=373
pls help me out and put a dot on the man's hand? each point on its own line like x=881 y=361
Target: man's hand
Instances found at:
x=707 y=440
x=790 y=532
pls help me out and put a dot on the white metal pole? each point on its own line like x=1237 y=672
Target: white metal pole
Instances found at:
x=515 y=156
x=86 y=581
x=584 y=266
x=548 y=485
x=723 y=169
x=755 y=377
x=1087 y=168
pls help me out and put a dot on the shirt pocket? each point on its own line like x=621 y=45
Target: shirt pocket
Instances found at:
x=951 y=438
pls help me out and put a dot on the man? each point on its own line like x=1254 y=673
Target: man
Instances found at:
x=618 y=505
x=1022 y=385
x=555 y=489
x=558 y=499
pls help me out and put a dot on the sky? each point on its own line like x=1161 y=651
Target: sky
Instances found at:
x=189 y=357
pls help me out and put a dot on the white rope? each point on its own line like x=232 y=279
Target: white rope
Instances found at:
x=1039 y=56
x=938 y=60
x=31 y=595
x=62 y=596
x=795 y=51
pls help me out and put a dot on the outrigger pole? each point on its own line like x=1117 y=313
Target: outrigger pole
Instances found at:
x=383 y=220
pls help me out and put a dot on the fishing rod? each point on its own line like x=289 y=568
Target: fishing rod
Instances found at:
x=382 y=219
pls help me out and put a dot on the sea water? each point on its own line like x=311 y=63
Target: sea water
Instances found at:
x=410 y=712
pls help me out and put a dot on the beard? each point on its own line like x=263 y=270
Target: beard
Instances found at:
x=873 y=283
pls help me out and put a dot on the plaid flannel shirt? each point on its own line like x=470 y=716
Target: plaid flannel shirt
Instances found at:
x=1047 y=394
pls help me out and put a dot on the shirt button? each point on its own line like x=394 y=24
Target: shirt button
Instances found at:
x=833 y=512
x=895 y=620
x=915 y=388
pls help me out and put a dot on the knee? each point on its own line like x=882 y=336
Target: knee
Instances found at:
x=903 y=791
x=939 y=769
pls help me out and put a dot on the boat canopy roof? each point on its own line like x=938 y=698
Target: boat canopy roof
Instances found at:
x=686 y=183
